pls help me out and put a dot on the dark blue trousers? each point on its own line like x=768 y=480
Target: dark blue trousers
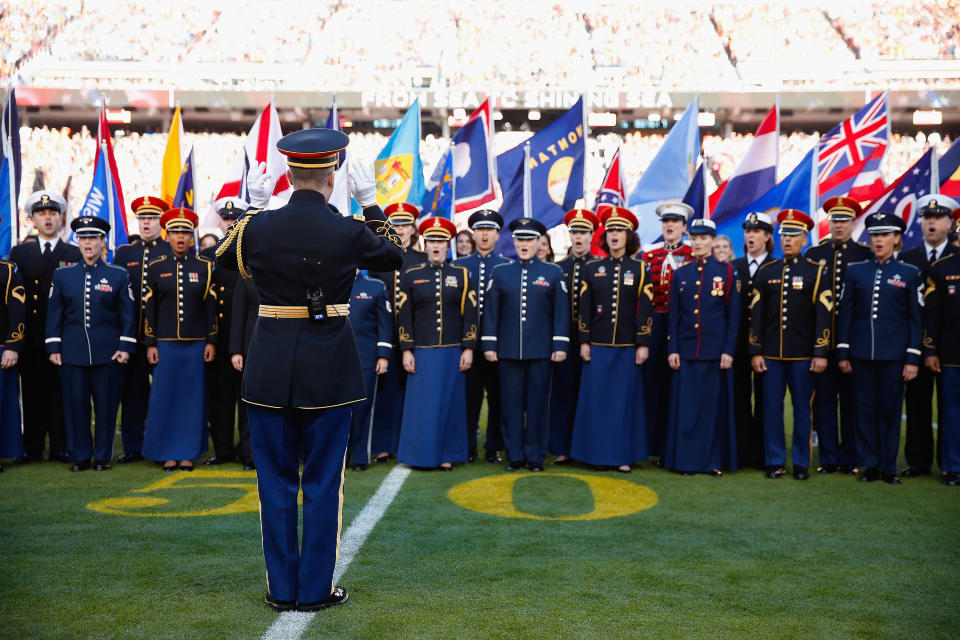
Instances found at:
x=837 y=446
x=949 y=420
x=136 y=393
x=301 y=571
x=483 y=375
x=388 y=412
x=525 y=397
x=878 y=389
x=102 y=383
x=780 y=375
x=657 y=376
x=564 y=391
x=361 y=423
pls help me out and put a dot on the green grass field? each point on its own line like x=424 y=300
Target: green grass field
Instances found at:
x=735 y=557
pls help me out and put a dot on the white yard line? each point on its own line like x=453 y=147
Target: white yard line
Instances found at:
x=292 y=625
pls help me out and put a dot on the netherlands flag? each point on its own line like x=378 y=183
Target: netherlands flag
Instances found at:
x=755 y=175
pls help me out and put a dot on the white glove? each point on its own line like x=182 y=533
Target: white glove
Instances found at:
x=260 y=186
x=362 y=182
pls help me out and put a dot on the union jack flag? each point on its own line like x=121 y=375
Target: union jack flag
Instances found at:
x=851 y=153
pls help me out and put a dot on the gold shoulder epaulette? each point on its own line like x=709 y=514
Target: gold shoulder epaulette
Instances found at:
x=153 y=262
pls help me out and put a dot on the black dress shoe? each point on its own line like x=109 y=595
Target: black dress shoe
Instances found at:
x=63 y=456
x=914 y=472
x=493 y=457
x=536 y=467
x=135 y=456
x=187 y=467
x=339 y=596
x=951 y=479
x=513 y=466
x=869 y=475
x=359 y=467
x=101 y=466
x=472 y=455
x=279 y=605
x=217 y=460
x=80 y=466
x=827 y=468
x=775 y=472
x=847 y=469
x=249 y=466
x=801 y=473
x=892 y=478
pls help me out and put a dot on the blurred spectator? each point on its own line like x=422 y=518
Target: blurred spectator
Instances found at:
x=723 y=248
x=891 y=29
x=465 y=243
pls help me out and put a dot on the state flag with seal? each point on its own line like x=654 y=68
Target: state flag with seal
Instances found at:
x=398 y=168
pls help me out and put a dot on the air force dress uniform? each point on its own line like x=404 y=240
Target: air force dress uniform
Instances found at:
x=483 y=375
x=790 y=323
x=11 y=330
x=879 y=330
x=135 y=257
x=302 y=372
x=526 y=321
x=90 y=317
x=837 y=440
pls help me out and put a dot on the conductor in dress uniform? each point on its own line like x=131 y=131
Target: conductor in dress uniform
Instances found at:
x=302 y=373
x=747 y=385
x=11 y=329
x=134 y=257
x=879 y=341
x=838 y=449
x=40 y=380
x=90 y=336
x=483 y=375
x=936 y=225
x=790 y=337
x=525 y=328
x=565 y=383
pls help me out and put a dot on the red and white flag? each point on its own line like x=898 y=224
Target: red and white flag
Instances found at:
x=260 y=146
x=104 y=137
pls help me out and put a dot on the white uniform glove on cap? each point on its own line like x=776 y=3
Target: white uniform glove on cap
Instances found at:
x=260 y=186
x=362 y=181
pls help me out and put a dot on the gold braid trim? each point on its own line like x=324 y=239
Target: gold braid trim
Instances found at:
x=647 y=328
x=928 y=340
x=824 y=340
x=20 y=294
x=384 y=229
x=754 y=339
x=16 y=336
x=471 y=333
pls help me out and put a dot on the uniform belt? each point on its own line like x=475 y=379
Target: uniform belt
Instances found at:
x=280 y=311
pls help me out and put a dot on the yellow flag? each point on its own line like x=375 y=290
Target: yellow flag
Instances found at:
x=172 y=163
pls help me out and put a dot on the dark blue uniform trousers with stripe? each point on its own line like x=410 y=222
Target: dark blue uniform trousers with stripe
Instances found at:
x=828 y=387
x=949 y=419
x=78 y=384
x=878 y=389
x=525 y=393
x=280 y=437
x=780 y=375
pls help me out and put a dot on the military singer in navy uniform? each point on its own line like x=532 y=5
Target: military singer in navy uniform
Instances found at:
x=838 y=448
x=91 y=333
x=370 y=317
x=302 y=373
x=748 y=385
x=525 y=328
x=392 y=384
x=565 y=383
x=941 y=350
x=11 y=329
x=879 y=341
x=614 y=321
x=134 y=257
x=790 y=336
x=180 y=326
x=918 y=447
x=40 y=380
x=483 y=375
x=438 y=333
x=702 y=337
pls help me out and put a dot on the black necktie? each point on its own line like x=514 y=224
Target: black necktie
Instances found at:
x=47 y=250
x=933 y=256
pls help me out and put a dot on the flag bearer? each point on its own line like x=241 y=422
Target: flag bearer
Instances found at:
x=11 y=329
x=526 y=327
x=790 y=336
x=90 y=335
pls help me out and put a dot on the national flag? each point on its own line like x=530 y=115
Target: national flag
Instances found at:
x=104 y=137
x=340 y=197
x=441 y=187
x=554 y=158
x=900 y=198
x=11 y=171
x=103 y=201
x=757 y=172
x=669 y=174
x=612 y=193
x=949 y=171
x=260 y=146
x=850 y=154
x=172 y=158
x=398 y=167
x=472 y=159
x=696 y=195
x=184 y=194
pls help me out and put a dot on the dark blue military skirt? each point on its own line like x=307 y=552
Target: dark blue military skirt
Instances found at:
x=610 y=427
x=11 y=427
x=177 y=413
x=388 y=410
x=702 y=434
x=434 y=427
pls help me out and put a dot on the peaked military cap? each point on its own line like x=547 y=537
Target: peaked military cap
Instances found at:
x=90 y=227
x=527 y=228
x=758 y=220
x=401 y=213
x=436 y=228
x=313 y=148
x=149 y=207
x=702 y=227
x=936 y=204
x=231 y=208
x=45 y=199
x=885 y=223
x=582 y=219
x=618 y=218
x=179 y=219
x=485 y=219
x=794 y=222
x=842 y=208
x=674 y=211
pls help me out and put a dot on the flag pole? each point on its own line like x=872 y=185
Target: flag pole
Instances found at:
x=527 y=195
x=112 y=244
x=453 y=198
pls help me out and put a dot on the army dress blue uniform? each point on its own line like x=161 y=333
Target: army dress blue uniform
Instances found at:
x=703 y=322
x=615 y=318
x=483 y=375
x=833 y=390
x=437 y=321
x=11 y=328
x=941 y=339
x=790 y=323
x=180 y=320
x=878 y=331
x=90 y=316
x=246 y=306
x=302 y=374
x=370 y=317
x=525 y=322
x=135 y=257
